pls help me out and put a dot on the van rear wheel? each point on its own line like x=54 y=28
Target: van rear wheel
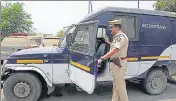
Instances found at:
x=22 y=87
x=155 y=82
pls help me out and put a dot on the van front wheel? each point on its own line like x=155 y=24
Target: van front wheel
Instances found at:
x=22 y=87
x=155 y=82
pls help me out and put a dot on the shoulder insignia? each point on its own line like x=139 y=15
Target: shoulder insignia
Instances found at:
x=124 y=36
x=118 y=39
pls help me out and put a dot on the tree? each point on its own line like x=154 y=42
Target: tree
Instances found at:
x=165 y=5
x=14 y=19
x=60 y=33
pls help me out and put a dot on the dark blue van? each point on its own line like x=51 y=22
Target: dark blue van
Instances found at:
x=151 y=55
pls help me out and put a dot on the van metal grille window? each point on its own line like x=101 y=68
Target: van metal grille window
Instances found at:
x=82 y=39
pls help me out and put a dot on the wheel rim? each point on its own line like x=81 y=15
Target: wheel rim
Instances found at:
x=156 y=83
x=22 y=90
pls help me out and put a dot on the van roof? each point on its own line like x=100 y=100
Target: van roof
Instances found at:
x=128 y=10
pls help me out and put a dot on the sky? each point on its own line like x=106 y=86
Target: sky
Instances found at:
x=51 y=16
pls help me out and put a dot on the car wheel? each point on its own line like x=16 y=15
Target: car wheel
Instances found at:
x=22 y=87
x=155 y=82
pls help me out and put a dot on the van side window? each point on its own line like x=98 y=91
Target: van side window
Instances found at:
x=129 y=26
x=101 y=33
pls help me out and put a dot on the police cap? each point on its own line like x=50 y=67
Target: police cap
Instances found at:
x=114 y=23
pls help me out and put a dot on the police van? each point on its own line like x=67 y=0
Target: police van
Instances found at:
x=29 y=73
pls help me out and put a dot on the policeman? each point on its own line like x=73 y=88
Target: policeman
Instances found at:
x=118 y=61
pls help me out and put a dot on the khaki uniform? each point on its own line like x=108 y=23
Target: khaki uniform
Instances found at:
x=120 y=41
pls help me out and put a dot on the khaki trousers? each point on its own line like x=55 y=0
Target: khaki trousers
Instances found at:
x=119 y=85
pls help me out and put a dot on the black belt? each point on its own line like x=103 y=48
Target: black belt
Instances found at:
x=121 y=58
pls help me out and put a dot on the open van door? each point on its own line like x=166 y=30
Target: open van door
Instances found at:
x=83 y=65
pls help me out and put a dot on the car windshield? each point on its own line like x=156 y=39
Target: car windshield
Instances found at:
x=62 y=41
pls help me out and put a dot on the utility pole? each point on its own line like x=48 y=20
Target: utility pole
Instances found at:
x=90 y=7
x=138 y=3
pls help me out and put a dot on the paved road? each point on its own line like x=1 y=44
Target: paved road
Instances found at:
x=134 y=92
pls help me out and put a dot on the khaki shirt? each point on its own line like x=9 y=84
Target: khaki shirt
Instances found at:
x=120 y=41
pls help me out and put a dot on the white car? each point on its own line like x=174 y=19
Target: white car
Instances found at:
x=12 y=44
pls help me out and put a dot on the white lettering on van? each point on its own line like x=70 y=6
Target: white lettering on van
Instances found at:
x=153 y=26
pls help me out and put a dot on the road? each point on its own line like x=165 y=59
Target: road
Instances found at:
x=104 y=94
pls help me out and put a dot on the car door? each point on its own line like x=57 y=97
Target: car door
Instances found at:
x=83 y=64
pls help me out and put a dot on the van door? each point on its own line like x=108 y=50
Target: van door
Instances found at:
x=83 y=64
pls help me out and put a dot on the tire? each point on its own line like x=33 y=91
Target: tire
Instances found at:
x=153 y=78
x=30 y=82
